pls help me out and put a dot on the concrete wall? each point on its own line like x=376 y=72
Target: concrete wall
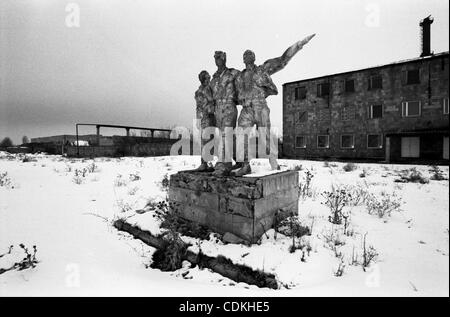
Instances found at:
x=324 y=114
x=92 y=151
x=243 y=206
x=159 y=147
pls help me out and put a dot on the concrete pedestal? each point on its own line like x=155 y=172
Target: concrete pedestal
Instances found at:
x=243 y=206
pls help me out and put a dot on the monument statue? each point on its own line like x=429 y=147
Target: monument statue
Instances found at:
x=204 y=110
x=240 y=206
x=254 y=85
x=225 y=100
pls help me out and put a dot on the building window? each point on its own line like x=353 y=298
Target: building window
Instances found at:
x=349 y=85
x=375 y=82
x=348 y=113
x=323 y=141
x=376 y=111
x=347 y=141
x=300 y=142
x=411 y=109
x=303 y=116
x=323 y=89
x=300 y=93
x=445 y=105
x=413 y=77
x=324 y=115
x=374 y=141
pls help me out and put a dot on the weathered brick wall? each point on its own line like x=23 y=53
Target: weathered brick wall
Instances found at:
x=324 y=114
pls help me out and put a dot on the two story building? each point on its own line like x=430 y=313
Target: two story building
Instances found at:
x=397 y=112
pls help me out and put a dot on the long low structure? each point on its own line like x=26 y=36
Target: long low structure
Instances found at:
x=97 y=145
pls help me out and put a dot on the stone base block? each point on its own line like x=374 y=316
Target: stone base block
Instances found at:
x=243 y=206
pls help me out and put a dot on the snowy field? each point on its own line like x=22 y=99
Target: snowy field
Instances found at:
x=65 y=207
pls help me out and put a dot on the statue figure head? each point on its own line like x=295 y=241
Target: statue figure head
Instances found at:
x=220 y=58
x=204 y=77
x=249 y=57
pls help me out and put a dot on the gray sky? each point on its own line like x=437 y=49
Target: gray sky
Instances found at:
x=135 y=62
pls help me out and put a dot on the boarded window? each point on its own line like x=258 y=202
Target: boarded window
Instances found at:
x=300 y=141
x=376 y=111
x=324 y=115
x=410 y=147
x=348 y=113
x=323 y=141
x=303 y=117
x=300 y=93
x=374 y=141
x=375 y=82
x=411 y=109
x=413 y=77
x=349 y=85
x=323 y=89
x=347 y=141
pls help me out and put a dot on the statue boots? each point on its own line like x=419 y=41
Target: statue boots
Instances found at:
x=273 y=163
x=204 y=167
x=244 y=170
x=222 y=169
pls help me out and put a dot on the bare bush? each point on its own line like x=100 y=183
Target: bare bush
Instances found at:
x=292 y=227
x=79 y=175
x=364 y=173
x=370 y=254
x=305 y=189
x=92 y=168
x=297 y=167
x=5 y=180
x=358 y=193
x=412 y=176
x=350 y=167
x=334 y=241
x=340 y=269
x=336 y=201
x=29 y=261
x=354 y=260
x=124 y=206
x=132 y=191
x=165 y=182
x=134 y=177
x=437 y=174
x=168 y=214
x=120 y=181
x=384 y=204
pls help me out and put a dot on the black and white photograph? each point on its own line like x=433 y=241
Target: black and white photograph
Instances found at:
x=222 y=149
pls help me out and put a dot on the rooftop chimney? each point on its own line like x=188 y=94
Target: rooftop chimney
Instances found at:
x=425 y=26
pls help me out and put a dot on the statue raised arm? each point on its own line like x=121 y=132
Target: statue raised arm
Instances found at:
x=274 y=65
x=254 y=85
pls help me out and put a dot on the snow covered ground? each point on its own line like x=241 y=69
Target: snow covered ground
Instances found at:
x=66 y=207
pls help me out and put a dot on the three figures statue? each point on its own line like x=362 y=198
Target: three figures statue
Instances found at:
x=217 y=98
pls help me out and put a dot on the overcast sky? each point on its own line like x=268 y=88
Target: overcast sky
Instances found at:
x=135 y=62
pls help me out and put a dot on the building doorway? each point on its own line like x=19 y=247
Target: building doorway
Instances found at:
x=410 y=147
x=445 y=148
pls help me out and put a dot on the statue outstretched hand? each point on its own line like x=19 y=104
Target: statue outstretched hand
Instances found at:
x=276 y=64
